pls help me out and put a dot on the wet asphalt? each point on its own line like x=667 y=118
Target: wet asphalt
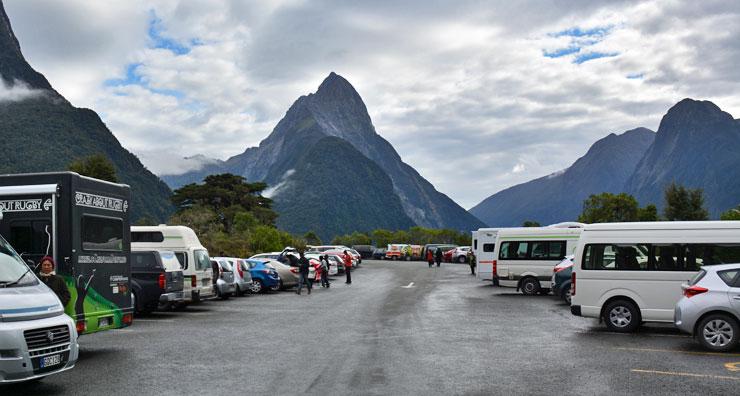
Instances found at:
x=447 y=333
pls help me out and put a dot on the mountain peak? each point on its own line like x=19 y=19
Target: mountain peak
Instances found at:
x=13 y=66
x=693 y=115
x=336 y=86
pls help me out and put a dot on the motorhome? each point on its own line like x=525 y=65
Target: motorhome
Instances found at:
x=524 y=257
x=83 y=224
x=484 y=243
x=193 y=257
x=36 y=338
x=629 y=273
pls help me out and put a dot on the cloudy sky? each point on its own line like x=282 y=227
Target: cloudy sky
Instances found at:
x=477 y=96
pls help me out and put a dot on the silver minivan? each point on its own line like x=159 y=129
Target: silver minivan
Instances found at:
x=37 y=338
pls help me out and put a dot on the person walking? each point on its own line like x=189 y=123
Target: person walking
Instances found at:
x=430 y=258
x=303 y=270
x=348 y=266
x=438 y=256
x=471 y=262
x=325 y=270
x=54 y=281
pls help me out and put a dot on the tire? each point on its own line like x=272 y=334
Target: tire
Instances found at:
x=530 y=286
x=257 y=286
x=277 y=287
x=237 y=291
x=565 y=295
x=462 y=259
x=408 y=258
x=622 y=316
x=393 y=258
x=718 y=332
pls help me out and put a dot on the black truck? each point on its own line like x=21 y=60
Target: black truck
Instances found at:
x=156 y=281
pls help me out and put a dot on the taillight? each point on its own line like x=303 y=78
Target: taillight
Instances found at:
x=193 y=281
x=239 y=270
x=572 y=284
x=81 y=327
x=495 y=267
x=294 y=270
x=128 y=319
x=266 y=270
x=694 y=290
x=162 y=281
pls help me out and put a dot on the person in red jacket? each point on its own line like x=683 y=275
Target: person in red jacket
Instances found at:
x=430 y=258
x=348 y=266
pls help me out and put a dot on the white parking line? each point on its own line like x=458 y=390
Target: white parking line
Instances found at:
x=678 y=374
x=154 y=320
x=410 y=285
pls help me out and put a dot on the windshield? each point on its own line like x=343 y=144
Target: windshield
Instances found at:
x=226 y=266
x=12 y=267
x=202 y=262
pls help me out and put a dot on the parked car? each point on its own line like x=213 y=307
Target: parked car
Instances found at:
x=447 y=255
x=366 y=251
x=39 y=340
x=263 y=276
x=333 y=270
x=710 y=307
x=459 y=254
x=288 y=278
x=561 y=279
x=379 y=253
x=223 y=279
x=268 y=256
x=242 y=277
x=157 y=281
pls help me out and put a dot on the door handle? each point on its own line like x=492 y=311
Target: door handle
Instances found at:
x=736 y=297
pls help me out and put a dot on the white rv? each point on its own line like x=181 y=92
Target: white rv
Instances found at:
x=484 y=242
x=193 y=257
x=629 y=273
x=524 y=257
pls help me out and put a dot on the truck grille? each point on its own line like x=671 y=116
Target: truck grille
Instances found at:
x=46 y=337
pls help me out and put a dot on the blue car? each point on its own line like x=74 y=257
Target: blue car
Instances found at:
x=561 y=279
x=264 y=276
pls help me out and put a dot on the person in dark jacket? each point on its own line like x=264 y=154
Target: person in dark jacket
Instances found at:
x=438 y=256
x=54 y=281
x=325 y=270
x=303 y=269
x=471 y=261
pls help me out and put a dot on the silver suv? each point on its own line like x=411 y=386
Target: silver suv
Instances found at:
x=710 y=307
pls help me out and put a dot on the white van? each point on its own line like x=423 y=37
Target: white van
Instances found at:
x=484 y=243
x=193 y=257
x=524 y=257
x=629 y=273
x=36 y=337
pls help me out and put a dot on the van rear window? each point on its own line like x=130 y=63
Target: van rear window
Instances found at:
x=488 y=247
x=147 y=236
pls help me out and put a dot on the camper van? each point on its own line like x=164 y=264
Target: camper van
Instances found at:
x=36 y=337
x=629 y=273
x=484 y=243
x=83 y=224
x=193 y=257
x=524 y=257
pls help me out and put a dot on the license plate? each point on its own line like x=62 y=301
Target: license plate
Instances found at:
x=104 y=322
x=49 y=361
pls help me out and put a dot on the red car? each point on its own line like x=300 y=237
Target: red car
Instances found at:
x=447 y=255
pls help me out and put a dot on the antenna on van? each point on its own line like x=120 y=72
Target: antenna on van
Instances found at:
x=48 y=241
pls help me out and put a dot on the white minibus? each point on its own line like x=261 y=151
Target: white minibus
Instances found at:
x=629 y=273
x=484 y=241
x=196 y=265
x=524 y=257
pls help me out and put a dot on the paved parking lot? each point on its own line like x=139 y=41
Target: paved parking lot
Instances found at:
x=400 y=328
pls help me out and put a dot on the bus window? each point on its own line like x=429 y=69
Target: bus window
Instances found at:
x=102 y=233
x=539 y=250
x=146 y=236
x=556 y=250
x=488 y=247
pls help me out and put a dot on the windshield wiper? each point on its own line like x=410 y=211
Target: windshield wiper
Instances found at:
x=15 y=282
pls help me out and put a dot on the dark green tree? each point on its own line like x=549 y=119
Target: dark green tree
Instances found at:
x=731 y=214
x=684 y=203
x=608 y=208
x=311 y=238
x=97 y=166
x=648 y=213
x=530 y=223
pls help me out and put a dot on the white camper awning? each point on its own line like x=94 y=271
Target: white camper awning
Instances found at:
x=30 y=189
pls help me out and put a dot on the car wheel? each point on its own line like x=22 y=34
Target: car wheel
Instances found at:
x=565 y=295
x=462 y=259
x=718 y=332
x=256 y=286
x=530 y=286
x=277 y=287
x=622 y=316
x=224 y=296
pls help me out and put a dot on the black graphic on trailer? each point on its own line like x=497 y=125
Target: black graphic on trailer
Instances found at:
x=82 y=288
